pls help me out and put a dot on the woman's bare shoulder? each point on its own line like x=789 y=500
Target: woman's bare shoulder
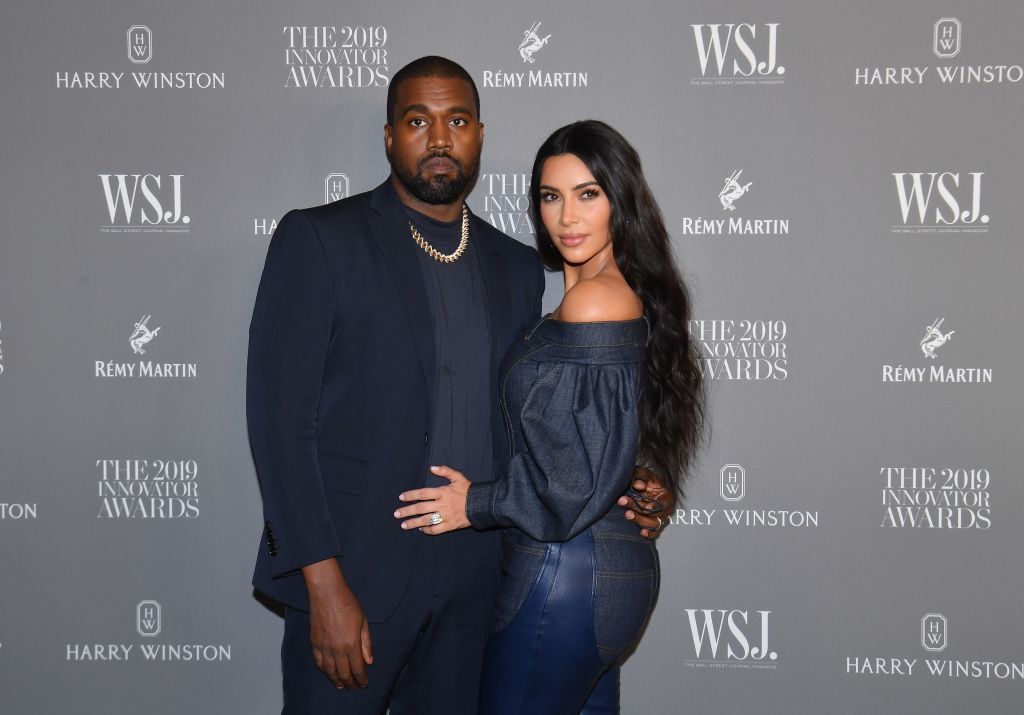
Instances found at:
x=599 y=300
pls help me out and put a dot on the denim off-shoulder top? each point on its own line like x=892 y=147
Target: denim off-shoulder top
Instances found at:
x=569 y=394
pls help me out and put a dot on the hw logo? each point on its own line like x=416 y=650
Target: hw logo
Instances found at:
x=121 y=192
x=335 y=187
x=709 y=626
x=915 y=190
x=734 y=482
x=140 y=44
x=147 y=618
x=933 y=632
x=720 y=39
x=947 y=38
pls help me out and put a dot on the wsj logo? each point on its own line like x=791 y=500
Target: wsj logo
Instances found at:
x=335 y=187
x=733 y=482
x=951 y=199
x=137 y=202
x=934 y=632
x=752 y=49
x=735 y=631
x=947 y=37
x=147 y=618
x=140 y=44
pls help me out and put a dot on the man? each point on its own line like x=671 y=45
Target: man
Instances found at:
x=374 y=348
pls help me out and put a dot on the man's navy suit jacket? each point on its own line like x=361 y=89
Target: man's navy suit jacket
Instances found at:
x=340 y=388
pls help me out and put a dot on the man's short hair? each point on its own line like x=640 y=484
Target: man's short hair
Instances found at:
x=430 y=66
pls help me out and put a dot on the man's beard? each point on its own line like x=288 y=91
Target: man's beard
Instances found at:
x=441 y=189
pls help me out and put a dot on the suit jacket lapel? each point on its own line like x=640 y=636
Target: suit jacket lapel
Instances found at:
x=494 y=286
x=389 y=226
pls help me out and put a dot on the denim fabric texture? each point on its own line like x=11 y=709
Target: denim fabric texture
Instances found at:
x=569 y=394
x=520 y=566
x=626 y=578
x=578 y=580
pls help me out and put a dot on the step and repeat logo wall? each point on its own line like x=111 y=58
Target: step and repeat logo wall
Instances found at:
x=840 y=186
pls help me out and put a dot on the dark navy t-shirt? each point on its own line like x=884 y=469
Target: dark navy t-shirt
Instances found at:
x=461 y=434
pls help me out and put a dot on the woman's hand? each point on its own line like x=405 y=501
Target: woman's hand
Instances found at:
x=448 y=502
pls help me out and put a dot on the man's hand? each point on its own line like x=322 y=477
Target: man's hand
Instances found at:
x=648 y=503
x=339 y=632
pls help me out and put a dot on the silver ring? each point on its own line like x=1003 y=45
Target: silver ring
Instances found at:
x=435 y=519
x=660 y=524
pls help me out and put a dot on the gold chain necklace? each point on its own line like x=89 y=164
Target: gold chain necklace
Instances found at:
x=436 y=254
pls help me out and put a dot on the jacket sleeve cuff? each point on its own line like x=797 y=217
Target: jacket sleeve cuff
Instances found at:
x=480 y=505
x=290 y=551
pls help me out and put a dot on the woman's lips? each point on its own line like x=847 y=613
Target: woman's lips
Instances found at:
x=572 y=239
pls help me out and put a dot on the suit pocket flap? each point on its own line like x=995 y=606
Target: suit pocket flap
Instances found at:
x=343 y=473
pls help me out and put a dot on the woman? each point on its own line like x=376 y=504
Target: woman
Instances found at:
x=609 y=380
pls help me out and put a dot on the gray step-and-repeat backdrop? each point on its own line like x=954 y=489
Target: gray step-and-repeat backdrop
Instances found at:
x=842 y=183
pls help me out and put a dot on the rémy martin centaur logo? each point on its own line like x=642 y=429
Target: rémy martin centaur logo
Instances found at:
x=141 y=336
x=532 y=42
x=733 y=190
x=934 y=338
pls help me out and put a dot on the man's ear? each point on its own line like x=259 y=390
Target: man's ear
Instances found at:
x=387 y=138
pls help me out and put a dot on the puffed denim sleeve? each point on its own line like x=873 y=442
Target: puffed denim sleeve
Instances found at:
x=581 y=427
x=288 y=343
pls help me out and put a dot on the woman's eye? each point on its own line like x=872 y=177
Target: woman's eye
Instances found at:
x=548 y=198
x=590 y=194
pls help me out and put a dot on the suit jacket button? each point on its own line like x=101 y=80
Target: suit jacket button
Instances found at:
x=426 y=438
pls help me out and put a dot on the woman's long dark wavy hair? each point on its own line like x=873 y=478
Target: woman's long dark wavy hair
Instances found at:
x=672 y=394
